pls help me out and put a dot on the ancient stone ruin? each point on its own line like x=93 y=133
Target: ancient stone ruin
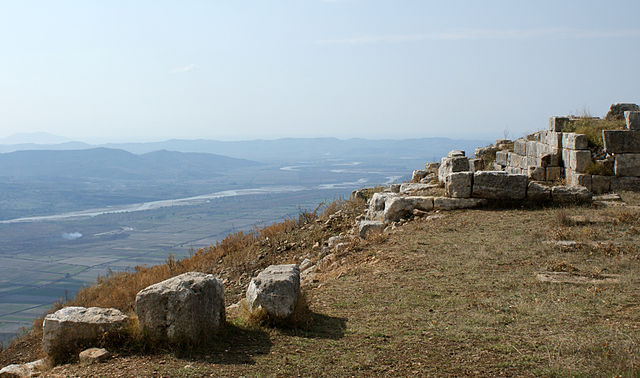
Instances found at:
x=181 y=309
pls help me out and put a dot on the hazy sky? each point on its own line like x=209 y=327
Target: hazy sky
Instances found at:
x=150 y=70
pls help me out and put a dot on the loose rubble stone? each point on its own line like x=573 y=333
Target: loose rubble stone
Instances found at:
x=616 y=111
x=23 y=370
x=621 y=141
x=402 y=207
x=432 y=167
x=275 y=290
x=67 y=331
x=305 y=264
x=367 y=226
x=446 y=203
x=94 y=355
x=570 y=194
x=458 y=185
x=395 y=188
x=455 y=153
x=183 y=308
x=419 y=174
x=627 y=165
x=499 y=185
x=632 y=119
x=537 y=192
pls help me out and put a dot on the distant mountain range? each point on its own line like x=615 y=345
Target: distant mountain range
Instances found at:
x=285 y=150
x=109 y=163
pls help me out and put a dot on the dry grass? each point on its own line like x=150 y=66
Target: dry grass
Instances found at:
x=592 y=128
x=454 y=296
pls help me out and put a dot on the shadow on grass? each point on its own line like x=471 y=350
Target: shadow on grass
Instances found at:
x=321 y=327
x=232 y=345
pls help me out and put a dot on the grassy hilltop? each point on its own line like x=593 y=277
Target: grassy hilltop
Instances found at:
x=456 y=294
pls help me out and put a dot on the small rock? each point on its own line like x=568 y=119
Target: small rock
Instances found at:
x=23 y=370
x=94 y=355
x=305 y=264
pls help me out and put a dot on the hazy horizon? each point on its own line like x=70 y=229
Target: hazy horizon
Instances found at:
x=155 y=70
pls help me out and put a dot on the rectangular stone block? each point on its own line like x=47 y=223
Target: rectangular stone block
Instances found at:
x=458 y=185
x=600 y=184
x=531 y=148
x=557 y=123
x=621 y=141
x=476 y=165
x=550 y=160
x=501 y=157
x=625 y=183
x=554 y=173
x=633 y=120
x=574 y=141
x=498 y=167
x=537 y=173
x=579 y=160
x=627 y=165
x=514 y=160
x=520 y=147
x=499 y=185
x=552 y=139
x=450 y=165
x=579 y=179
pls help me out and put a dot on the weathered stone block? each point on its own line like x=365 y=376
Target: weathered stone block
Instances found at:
x=600 y=184
x=550 y=160
x=537 y=192
x=520 y=147
x=454 y=153
x=574 y=141
x=275 y=290
x=616 y=111
x=450 y=165
x=367 y=226
x=71 y=329
x=633 y=120
x=377 y=201
x=621 y=141
x=186 y=307
x=625 y=183
x=627 y=165
x=516 y=160
x=497 y=167
x=579 y=179
x=499 y=185
x=554 y=173
x=476 y=165
x=579 y=160
x=402 y=207
x=502 y=157
x=552 y=139
x=557 y=123
x=537 y=173
x=446 y=203
x=458 y=185
x=570 y=194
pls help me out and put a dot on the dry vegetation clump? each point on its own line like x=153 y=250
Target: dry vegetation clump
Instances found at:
x=592 y=128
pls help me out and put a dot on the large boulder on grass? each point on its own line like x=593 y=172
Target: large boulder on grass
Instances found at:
x=275 y=291
x=71 y=329
x=184 y=308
